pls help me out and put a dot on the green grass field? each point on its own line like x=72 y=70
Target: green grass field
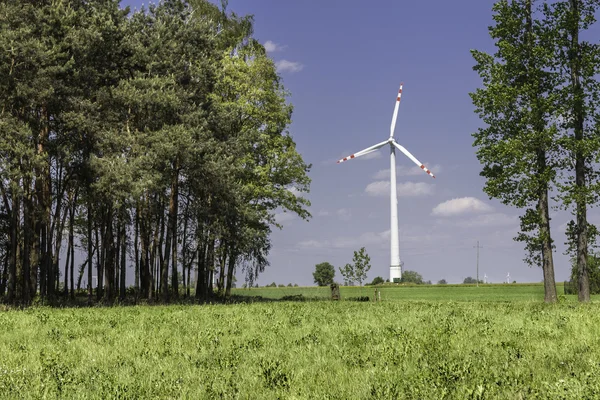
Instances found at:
x=491 y=292
x=444 y=343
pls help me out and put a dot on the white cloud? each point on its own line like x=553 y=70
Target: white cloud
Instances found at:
x=459 y=206
x=288 y=66
x=405 y=189
x=404 y=170
x=272 y=47
x=343 y=214
x=495 y=219
x=311 y=244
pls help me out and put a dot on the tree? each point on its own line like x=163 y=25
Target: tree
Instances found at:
x=377 y=281
x=442 y=282
x=471 y=280
x=411 y=277
x=324 y=274
x=578 y=63
x=361 y=265
x=519 y=104
x=348 y=274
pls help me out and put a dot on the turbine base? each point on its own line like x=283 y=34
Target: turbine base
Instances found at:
x=395 y=273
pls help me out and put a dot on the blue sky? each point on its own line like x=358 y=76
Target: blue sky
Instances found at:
x=343 y=62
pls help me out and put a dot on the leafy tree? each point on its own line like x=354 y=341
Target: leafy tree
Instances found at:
x=471 y=280
x=411 y=277
x=324 y=274
x=519 y=104
x=378 y=280
x=348 y=274
x=442 y=282
x=578 y=63
x=295 y=285
x=361 y=265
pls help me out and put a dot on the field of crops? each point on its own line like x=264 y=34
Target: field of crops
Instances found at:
x=306 y=350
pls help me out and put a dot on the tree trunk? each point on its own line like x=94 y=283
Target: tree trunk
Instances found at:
x=136 y=253
x=230 y=270
x=580 y=183
x=14 y=243
x=90 y=252
x=173 y=210
x=123 y=270
x=72 y=240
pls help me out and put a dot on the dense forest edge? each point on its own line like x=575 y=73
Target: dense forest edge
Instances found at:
x=155 y=140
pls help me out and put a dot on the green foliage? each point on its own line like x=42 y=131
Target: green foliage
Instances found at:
x=348 y=274
x=324 y=274
x=518 y=147
x=411 y=277
x=442 y=282
x=377 y=281
x=593 y=265
x=470 y=280
x=362 y=265
x=171 y=116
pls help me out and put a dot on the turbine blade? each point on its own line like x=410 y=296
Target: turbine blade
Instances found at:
x=363 y=152
x=393 y=126
x=407 y=154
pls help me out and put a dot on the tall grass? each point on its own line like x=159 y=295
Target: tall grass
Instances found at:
x=304 y=350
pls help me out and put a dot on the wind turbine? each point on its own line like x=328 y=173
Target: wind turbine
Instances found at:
x=395 y=264
x=508 y=278
x=484 y=278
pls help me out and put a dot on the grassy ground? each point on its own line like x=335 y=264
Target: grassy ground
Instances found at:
x=493 y=292
x=305 y=350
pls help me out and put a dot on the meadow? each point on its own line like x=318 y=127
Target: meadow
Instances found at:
x=450 y=347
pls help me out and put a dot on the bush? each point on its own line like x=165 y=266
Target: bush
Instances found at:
x=377 y=281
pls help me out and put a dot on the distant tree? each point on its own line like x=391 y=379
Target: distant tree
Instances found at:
x=324 y=274
x=411 y=277
x=362 y=265
x=295 y=285
x=273 y=284
x=289 y=285
x=281 y=285
x=377 y=281
x=442 y=282
x=348 y=274
x=428 y=282
x=471 y=280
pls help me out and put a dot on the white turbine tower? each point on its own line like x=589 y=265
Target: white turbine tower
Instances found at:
x=395 y=264
x=508 y=278
x=484 y=278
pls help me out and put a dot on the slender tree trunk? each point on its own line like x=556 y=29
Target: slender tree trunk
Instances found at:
x=164 y=260
x=123 y=270
x=90 y=252
x=184 y=261
x=173 y=211
x=4 y=277
x=14 y=242
x=101 y=249
x=72 y=240
x=580 y=178
x=67 y=264
x=541 y=164
x=136 y=253
x=27 y=222
x=230 y=270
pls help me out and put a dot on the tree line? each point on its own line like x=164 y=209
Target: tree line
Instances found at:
x=540 y=145
x=157 y=138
